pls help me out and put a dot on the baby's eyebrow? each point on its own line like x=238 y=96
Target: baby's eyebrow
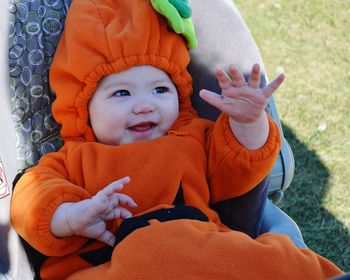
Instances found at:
x=118 y=85
x=160 y=81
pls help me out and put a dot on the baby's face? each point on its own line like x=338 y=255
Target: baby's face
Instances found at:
x=138 y=104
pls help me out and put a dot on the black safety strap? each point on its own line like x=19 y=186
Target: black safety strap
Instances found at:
x=102 y=255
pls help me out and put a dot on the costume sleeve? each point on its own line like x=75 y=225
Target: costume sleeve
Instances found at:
x=38 y=193
x=233 y=169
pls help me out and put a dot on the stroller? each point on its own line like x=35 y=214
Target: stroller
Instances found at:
x=29 y=131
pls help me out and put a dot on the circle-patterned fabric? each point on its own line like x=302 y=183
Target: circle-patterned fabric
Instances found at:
x=35 y=29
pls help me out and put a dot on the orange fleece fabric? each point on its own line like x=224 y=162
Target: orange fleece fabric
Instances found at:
x=107 y=36
x=157 y=168
x=181 y=249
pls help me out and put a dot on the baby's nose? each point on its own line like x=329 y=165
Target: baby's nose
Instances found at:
x=143 y=106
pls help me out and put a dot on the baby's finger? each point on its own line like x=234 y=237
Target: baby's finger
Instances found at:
x=254 y=78
x=120 y=199
x=120 y=212
x=116 y=186
x=237 y=76
x=224 y=81
x=212 y=98
x=107 y=237
x=273 y=86
x=123 y=180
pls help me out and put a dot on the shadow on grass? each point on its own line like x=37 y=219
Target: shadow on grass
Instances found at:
x=303 y=201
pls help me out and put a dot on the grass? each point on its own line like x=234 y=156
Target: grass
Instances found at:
x=311 y=41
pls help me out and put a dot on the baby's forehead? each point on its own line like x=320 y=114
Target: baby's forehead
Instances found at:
x=134 y=75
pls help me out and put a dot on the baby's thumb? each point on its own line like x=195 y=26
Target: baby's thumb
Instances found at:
x=212 y=98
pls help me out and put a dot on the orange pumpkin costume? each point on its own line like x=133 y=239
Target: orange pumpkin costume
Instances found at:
x=202 y=159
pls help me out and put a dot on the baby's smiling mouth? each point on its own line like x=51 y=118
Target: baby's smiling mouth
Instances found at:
x=142 y=127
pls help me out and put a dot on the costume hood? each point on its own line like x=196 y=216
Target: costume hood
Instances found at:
x=102 y=37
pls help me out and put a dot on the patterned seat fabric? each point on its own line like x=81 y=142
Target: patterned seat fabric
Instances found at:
x=35 y=29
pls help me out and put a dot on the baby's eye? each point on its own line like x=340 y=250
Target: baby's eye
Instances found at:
x=122 y=92
x=160 y=90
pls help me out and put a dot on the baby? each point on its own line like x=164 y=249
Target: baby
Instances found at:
x=139 y=169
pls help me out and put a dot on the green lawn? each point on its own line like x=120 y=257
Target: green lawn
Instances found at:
x=311 y=41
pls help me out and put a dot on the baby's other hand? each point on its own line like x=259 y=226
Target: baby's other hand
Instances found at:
x=107 y=201
x=243 y=101
x=89 y=217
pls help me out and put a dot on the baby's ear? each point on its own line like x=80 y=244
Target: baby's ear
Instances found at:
x=223 y=39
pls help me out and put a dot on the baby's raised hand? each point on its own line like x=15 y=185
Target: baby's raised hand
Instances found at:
x=89 y=217
x=243 y=101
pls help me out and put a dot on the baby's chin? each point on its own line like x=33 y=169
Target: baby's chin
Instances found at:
x=135 y=136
